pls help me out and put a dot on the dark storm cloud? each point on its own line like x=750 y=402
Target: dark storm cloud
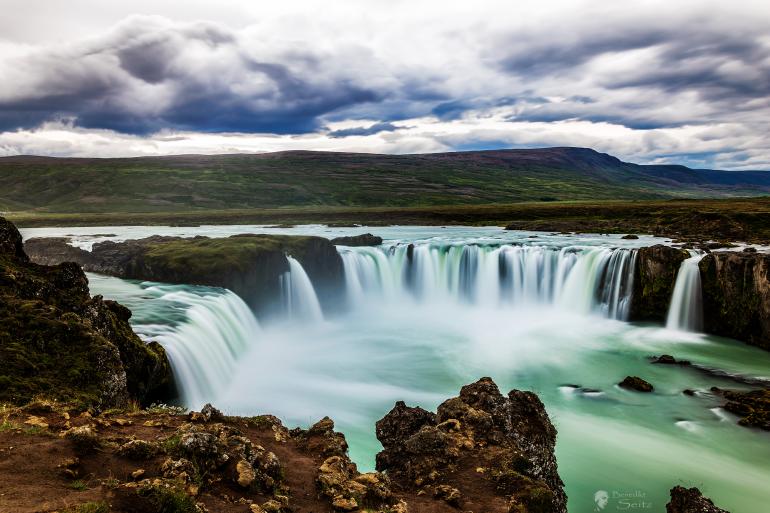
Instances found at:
x=708 y=66
x=142 y=79
x=360 y=130
x=148 y=74
x=723 y=68
x=541 y=54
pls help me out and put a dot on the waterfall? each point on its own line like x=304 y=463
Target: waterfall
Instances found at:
x=583 y=279
x=216 y=329
x=686 y=309
x=204 y=350
x=299 y=297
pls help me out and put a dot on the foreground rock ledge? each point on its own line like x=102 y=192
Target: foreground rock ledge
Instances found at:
x=481 y=452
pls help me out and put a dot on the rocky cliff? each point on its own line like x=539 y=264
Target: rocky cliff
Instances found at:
x=736 y=296
x=654 y=280
x=59 y=342
x=249 y=265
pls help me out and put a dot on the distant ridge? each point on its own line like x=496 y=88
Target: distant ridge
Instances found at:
x=317 y=178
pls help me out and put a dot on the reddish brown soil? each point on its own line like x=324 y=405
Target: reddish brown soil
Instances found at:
x=32 y=480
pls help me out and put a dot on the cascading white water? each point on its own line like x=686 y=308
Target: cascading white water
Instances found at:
x=421 y=326
x=205 y=349
x=583 y=279
x=299 y=297
x=686 y=309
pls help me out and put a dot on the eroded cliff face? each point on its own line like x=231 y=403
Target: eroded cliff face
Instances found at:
x=654 y=280
x=736 y=296
x=480 y=440
x=59 y=342
x=249 y=265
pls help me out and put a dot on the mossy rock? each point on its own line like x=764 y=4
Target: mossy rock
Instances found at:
x=247 y=264
x=58 y=342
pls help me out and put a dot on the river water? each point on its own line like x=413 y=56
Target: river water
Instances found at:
x=535 y=311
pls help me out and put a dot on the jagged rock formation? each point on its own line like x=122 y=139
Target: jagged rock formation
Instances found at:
x=249 y=265
x=736 y=295
x=684 y=500
x=654 y=280
x=59 y=342
x=366 y=239
x=479 y=442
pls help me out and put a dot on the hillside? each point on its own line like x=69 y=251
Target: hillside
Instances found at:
x=302 y=178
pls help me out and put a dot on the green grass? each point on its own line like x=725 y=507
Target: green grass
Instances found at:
x=89 y=507
x=78 y=485
x=313 y=179
x=738 y=218
x=7 y=426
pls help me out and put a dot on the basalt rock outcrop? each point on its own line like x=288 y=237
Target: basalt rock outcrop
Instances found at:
x=753 y=407
x=366 y=239
x=654 y=280
x=249 y=265
x=480 y=443
x=690 y=500
x=736 y=295
x=636 y=383
x=59 y=342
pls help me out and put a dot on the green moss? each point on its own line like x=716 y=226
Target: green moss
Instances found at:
x=171 y=444
x=89 y=507
x=203 y=257
x=538 y=499
x=168 y=500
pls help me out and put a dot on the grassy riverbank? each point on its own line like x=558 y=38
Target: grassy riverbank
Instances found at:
x=739 y=218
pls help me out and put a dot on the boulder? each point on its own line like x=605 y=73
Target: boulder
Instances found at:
x=684 y=500
x=667 y=359
x=753 y=407
x=139 y=450
x=636 y=383
x=448 y=494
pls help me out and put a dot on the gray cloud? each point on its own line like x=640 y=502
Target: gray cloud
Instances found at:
x=361 y=130
x=148 y=75
x=470 y=78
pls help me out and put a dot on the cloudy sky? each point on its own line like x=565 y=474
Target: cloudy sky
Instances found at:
x=674 y=81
